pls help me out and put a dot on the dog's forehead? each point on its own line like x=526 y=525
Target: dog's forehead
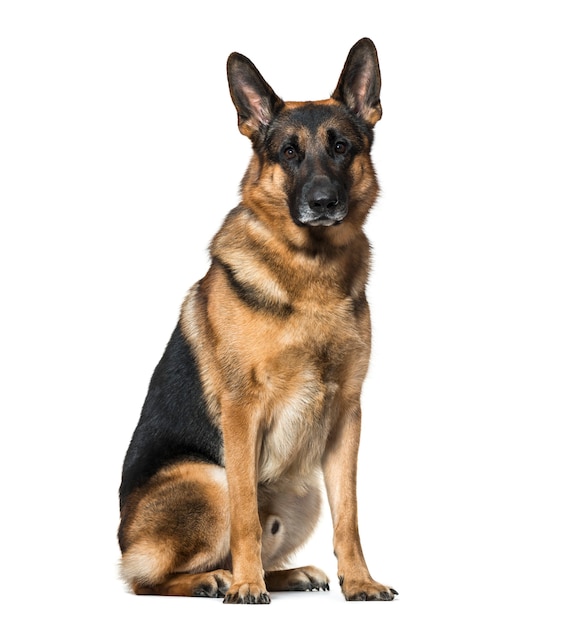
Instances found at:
x=312 y=117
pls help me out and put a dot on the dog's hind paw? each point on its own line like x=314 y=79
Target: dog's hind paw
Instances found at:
x=213 y=585
x=307 y=578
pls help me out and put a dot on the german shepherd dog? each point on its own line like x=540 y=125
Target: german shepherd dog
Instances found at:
x=257 y=394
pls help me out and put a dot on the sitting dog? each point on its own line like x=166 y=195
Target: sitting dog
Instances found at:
x=257 y=394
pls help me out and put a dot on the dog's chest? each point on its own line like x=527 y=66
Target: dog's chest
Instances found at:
x=301 y=389
x=296 y=427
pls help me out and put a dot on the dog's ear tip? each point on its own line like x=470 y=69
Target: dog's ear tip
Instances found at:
x=235 y=59
x=365 y=43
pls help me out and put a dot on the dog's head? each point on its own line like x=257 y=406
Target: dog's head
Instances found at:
x=311 y=157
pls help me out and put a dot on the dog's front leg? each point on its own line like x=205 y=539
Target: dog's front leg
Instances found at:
x=241 y=440
x=340 y=472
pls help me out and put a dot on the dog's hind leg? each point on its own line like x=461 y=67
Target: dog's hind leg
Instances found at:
x=174 y=533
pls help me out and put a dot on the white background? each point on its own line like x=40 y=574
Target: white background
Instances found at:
x=119 y=157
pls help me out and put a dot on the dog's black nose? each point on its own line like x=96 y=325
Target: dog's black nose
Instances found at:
x=322 y=203
x=323 y=198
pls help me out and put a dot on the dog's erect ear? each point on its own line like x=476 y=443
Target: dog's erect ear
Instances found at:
x=359 y=85
x=254 y=99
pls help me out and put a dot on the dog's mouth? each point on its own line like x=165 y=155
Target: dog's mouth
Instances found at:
x=324 y=221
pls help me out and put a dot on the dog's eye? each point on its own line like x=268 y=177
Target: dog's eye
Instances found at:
x=290 y=152
x=340 y=147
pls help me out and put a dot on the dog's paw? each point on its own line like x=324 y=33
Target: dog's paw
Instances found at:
x=213 y=585
x=247 y=593
x=366 y=590
x=308 y=578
